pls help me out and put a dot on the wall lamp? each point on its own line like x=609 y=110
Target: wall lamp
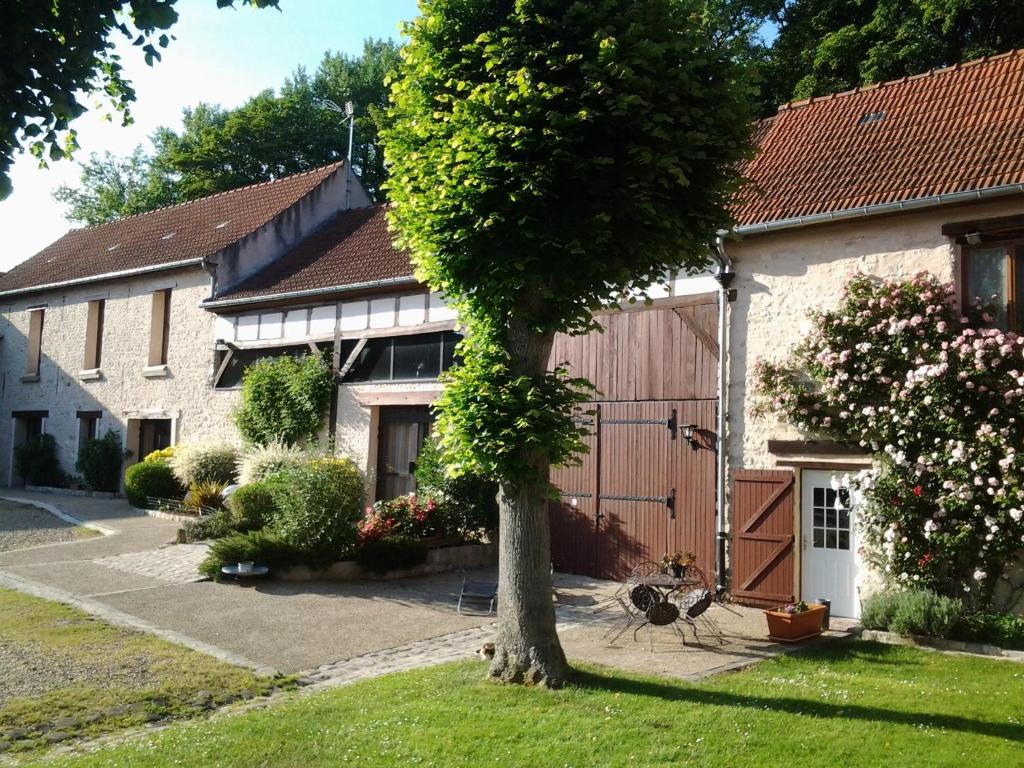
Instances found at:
x=687 y=431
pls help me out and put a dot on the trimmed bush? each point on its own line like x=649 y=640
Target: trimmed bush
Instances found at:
x=260 y=547
x=204 y=463
x=36 y=462
x=284 y=399
x=912 y=612
x=150 y=480
x=470 y=501
x=204 y=498
x=1002 y=629
x=213 y=526
x=99 y=461
x=318 y=507
x=160 y=454
x=252 y=507
x=391 y=553
x=258 y=462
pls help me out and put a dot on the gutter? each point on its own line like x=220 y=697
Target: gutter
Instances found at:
x=932 y=201
x=106 y=276
x=308 y=293
x=723 y=276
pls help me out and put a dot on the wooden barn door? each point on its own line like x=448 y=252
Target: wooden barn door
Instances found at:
x=643 y=489
x=762 y=551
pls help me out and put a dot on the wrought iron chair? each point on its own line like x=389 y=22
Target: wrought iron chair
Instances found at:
x=634 y=598
x=694 y=604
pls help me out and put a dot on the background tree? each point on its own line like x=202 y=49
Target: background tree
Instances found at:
x=53 y=52
x=549 y=157
x=113 y=187
x=269 y=136
x=826 y=46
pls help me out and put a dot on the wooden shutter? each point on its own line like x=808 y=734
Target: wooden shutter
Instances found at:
x=159 y=329
x=762 y=553
x=94 y=335
x=35 y=341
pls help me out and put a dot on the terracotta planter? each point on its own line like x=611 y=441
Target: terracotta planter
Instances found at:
x=794 y=627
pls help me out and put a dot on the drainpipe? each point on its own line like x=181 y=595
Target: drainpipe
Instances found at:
x=723 y=276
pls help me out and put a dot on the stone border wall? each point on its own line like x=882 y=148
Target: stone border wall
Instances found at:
x=438 y=561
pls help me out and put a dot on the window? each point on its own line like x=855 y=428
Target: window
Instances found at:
x=35 y=341
x=88 y=427
x=416 y=357
x=241 y=359
x=94 y=335
x=995 y=273
x=160 y=327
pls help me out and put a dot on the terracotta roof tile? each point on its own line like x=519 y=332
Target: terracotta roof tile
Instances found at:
x=354 y=247
x=949 y=130
x=165 y=236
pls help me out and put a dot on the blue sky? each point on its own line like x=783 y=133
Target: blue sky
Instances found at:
x=219 y=56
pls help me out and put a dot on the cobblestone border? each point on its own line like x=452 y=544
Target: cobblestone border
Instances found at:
x=72 y=492
x=168 y=515
x=946 y=646
x=60 y=513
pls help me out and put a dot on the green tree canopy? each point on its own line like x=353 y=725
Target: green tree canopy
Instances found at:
x=825 y=46
x=53 y=52
x=269 y=136
x=547 y=158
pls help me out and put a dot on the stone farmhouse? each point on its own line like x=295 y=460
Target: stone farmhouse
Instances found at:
x=146 y=325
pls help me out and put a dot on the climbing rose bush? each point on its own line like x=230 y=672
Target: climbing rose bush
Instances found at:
x=937 y=398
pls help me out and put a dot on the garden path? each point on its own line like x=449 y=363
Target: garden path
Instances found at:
x=331 y=632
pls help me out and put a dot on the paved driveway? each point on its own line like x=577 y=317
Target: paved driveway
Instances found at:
x=330 y=631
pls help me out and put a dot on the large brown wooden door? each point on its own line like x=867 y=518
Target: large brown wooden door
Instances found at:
x=762 y=551
x=643 y=490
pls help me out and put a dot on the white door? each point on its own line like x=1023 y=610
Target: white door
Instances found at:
x=828 y=542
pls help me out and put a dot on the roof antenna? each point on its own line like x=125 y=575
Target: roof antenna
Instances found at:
x=349 y=111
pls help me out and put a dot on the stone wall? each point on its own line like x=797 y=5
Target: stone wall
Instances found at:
x=121 y=391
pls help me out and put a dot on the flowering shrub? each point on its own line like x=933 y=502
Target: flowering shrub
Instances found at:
x=898 y=370
x=408 y=516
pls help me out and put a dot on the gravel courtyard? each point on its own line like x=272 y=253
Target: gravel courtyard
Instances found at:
x=23 y=526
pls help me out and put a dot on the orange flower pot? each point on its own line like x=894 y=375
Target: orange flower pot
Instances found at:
x=794 y=627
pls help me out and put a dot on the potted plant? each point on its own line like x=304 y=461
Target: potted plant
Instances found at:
x=678 y=563
x=795 y=621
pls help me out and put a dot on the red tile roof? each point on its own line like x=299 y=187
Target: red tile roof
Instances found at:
x=353 y=248
x=946 y=131
x=184 y=232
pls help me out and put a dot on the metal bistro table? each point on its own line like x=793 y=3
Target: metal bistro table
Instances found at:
x=659 y=600
x=240 y=576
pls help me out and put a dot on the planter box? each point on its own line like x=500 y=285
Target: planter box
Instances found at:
x=438 y=561
x=794 y=627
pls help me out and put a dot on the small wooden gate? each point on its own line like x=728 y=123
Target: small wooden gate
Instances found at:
x=762 y=551
x=643 y=489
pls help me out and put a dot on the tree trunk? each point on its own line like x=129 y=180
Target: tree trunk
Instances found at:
x=527 y=649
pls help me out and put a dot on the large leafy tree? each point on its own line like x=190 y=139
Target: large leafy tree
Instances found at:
x=54 y=52
x=824 y=46
x=547 y=158
x=269 y=136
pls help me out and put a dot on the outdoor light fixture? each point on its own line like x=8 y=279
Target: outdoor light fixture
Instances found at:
x=687 y=431
x=973 y=238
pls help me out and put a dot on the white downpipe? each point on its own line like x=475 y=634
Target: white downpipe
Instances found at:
x=724 y=276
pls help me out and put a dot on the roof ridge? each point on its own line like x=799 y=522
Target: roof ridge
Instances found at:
x=268 y=182
x=960 y=65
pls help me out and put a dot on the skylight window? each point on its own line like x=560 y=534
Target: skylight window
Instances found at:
x=223 y=224
x=114 y=247
x=871 y=117
x=168 y=236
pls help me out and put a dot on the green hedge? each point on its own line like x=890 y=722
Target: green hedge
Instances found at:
x=150 y=480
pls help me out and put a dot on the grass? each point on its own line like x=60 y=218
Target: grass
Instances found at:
x=850 y=704
x=65 y=672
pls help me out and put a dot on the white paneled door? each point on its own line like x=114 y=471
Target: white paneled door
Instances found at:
x=828 y=542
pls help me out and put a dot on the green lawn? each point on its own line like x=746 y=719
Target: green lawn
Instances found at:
x=65 y=675
x=851 y=704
